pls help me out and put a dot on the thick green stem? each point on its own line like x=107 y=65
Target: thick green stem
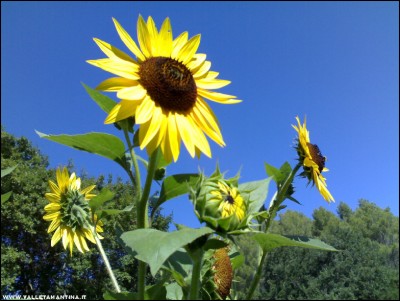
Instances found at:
x=195 y=284
x=106 y=262
x=135 y=180
x=142 y=208
x=257 y=276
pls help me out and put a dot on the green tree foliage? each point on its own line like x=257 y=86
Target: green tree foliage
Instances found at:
x=367 y=266
x=29 y=265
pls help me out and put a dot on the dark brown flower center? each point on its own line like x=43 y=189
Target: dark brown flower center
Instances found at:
x=229 y=199
x=317 y=156
x=169 y=83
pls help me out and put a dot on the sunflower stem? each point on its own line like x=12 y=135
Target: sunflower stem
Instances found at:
x=279 y=197
x=106 y=262
x=136 y=181
x=142 y=217
x=257 y=276
x=195 y=283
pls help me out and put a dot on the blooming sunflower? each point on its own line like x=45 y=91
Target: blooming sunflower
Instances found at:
x=69 y=212
x=164 y=89
x=312 y=160
x=230 y=201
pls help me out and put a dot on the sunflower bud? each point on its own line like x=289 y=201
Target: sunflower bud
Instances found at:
x=218 y=202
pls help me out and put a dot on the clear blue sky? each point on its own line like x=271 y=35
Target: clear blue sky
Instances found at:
x=336 y=62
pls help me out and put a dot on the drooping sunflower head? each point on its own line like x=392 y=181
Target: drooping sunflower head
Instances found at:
x=312 y=159
x=218 y=275
x=164 y=88
x=69 y=212
x=219 y=203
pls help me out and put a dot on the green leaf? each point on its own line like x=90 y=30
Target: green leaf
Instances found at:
x=102 y=144
x=273 y=172
x=256 y=192
x=104 y=102
x=174 y=186
x=279 y=175
x=156 y=291
x=179 y=264
x=154 y=246
x=269 y=241
x=97 y=201
x=115 y=211
x=5 y=196
x=237 y=259
x=174 y=291
x=214 y=243
x=7 y=171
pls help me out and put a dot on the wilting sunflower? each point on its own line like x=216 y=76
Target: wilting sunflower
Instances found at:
x=164 y=89
x=69 y=212
x=312 y=160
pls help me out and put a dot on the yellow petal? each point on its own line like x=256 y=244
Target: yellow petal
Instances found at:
x=89 y=235
x=178 y=43
x=53 y=197
x=211 y=74
x=55 y=224
x=211 y=83
x=77 y=242
x=115 y=84
x=122 y=68
x=144 y=111
x=88 y=189
x=132 y=93
x=113 y=52
x=183 y=126
x=165 y=39
x=202 y=70
x=206 y=119
x=56 y=237
x=197 y=60
x=198 y=137
x=128 y=41
x=54 y=187
x=52 y=216
x=189 y=49
x=52 y=207
x=152 y=131
x=123 y=110
x=218 y=97
x=173 y=136
x=144 y=37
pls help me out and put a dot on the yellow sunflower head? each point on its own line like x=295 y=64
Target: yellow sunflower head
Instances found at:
x=164 y=88
x=69 y=212
x=313 y=161
x=219 y=203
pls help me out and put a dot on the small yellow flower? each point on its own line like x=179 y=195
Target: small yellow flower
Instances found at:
x=312 y=160
x=230 y=201
x=164 y=89
x=69 y=212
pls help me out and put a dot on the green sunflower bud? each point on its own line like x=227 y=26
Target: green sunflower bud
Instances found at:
x=218 y=202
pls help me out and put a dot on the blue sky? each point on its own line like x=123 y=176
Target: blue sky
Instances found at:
x=335 y=62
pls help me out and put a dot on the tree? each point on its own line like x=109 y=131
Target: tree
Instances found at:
x=29 y=265
x=366 y=267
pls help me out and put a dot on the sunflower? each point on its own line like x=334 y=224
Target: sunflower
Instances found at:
x=230 y=201
x=312 y=160
x=164 y=89
x=69 y=212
